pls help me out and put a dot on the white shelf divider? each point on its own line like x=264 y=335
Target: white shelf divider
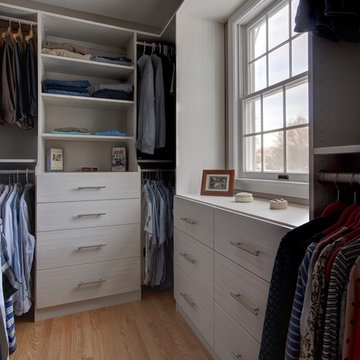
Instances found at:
x=347 y=149
x=88 y=138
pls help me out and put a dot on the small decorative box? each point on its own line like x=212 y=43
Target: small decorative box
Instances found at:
x=243 y=197
x=278 y=204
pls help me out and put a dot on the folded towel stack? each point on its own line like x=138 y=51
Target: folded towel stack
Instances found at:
x=71 y=130
x=67 y=50
x=66 y=87
x=119 y=91
x=119 y=60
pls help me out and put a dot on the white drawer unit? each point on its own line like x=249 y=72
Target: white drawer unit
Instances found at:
x=195 y=220
x=87 y=281
x=196 y=260
x=196 y=304
x=82 y=214
x=242 y=294
x=87 y=186
x=251 y=243
x=80 y=246
x=232 y=342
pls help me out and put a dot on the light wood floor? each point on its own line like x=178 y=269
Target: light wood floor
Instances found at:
x=150 y=329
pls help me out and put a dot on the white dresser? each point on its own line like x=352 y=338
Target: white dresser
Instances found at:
x=88 y=248
x=224 y=254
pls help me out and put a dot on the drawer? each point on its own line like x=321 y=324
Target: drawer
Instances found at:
x=196 y=304
x=83 y=214
x=81 y=282
x=195 y=220
x=232 y=342
x=80 y=246
x=242 y=294
x=249 y=242
x=196 y=260
x=87 y=186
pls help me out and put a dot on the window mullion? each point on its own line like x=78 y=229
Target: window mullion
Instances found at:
x=284 y=129
x=261 y=131
x=267 y=49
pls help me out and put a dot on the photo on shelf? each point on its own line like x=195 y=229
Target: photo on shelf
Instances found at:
x=54 y=159
x=217 y=182
x=118 y=159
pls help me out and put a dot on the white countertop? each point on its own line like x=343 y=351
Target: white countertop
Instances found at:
x=293 y=216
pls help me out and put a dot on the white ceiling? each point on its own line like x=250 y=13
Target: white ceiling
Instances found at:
x=155 y=13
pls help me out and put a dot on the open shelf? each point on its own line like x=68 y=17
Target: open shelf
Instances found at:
x=88 y=102
x=94 y=138
x=18 y=161
x=59 y=64
x=347 y=149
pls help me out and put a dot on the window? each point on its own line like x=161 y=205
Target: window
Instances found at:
x=272 y=95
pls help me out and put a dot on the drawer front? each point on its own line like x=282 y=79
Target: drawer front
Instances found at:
x=87 y=281
x=80 y=246
x=87 y=186
x=198 y=306
x=196 y=260
x=194 y=220
x=242 y=294
x=83 y=214
x=249 y=242
x=232 y=342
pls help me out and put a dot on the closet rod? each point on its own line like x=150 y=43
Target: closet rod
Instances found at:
x=157 y=170
x=16 y=20
x=143 y=43
x=339 y=178
x=17 y=172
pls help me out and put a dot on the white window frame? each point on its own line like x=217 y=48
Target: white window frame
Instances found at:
x=250 y=10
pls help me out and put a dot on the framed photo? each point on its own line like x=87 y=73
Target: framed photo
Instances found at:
x=218 y=182
x=54 y=159
x=118 y=159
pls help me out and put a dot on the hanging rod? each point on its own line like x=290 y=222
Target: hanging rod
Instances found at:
x=339 y=178
x=157 y=170
x=16 y=20
x=144 y=43
x=17 y=172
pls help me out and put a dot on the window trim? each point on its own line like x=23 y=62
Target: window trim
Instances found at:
x=236 y=30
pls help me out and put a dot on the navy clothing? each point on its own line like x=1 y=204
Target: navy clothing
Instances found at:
x=113 y=94
x=32 y=84
x=289 y=256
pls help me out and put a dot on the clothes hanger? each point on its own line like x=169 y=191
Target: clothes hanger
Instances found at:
x=18 y=34
x=30 y=35
x=8 y=31
x=27 y=176
x=144 y=49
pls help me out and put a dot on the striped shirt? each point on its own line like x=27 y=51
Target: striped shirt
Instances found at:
x=338 y=279
x=292 y=350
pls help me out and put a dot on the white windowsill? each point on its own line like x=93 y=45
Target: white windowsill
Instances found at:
x=285 y=188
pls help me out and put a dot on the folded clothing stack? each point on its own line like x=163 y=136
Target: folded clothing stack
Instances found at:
x=120 y=91
x=67 y=50
x=71 y=130
x=110 y=133
x=66 y=87
x=119 y=60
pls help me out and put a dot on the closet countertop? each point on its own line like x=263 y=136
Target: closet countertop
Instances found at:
x=291 y=217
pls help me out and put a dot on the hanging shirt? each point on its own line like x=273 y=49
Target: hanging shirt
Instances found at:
x=32 y=84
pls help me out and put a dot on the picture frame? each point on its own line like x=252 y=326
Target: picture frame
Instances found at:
x=218 y=182
x=54 y=159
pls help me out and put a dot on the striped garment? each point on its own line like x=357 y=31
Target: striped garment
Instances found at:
x=292 y=350
x=10 y=325
x=338 y=279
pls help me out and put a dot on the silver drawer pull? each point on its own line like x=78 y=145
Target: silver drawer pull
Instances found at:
x=188 y=258
x=91 y=187
x=188 y=300
x=85 y=247
x=240 y=246
x=98 y=282
x=188 y=221
x=87 y=215
x=239 y=299
x=236 y=357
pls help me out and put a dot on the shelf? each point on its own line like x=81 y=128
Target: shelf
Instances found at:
x=348 y=149
x=18 y=161
x=66 y=65
x=87 y=138
x=86 y=102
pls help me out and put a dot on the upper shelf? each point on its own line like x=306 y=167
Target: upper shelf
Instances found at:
x=86 y=102
x=347 y=149
x=95 y=138
x=59 y=64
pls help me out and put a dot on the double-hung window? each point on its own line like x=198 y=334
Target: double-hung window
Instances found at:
x=272 y=96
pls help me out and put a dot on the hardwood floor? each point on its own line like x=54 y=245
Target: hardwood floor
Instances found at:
x=150 y=329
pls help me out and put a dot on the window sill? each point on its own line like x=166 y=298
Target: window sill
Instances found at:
x=296 y=190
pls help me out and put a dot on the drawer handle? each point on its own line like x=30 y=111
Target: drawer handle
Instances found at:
x=86 y=247
x=188 y=300
x=91 y=187
x=239 y=299
x=236 y=357
x=98 y=282
x=188 y=258
x=188 y=221
x=87 y=215
x=239 y=246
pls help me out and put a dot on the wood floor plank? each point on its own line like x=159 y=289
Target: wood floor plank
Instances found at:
x=150 y=329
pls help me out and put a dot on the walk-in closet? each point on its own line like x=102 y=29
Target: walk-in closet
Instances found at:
x=179 y=180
